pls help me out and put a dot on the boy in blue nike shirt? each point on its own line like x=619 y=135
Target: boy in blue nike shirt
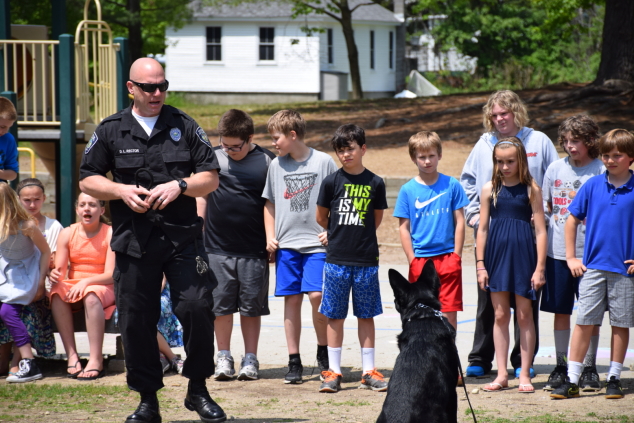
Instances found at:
x=431 y=222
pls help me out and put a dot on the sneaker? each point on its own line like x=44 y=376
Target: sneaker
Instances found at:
x=566 y=390
x=556 y=378
x=475 y=371
x=519 y=369
x=373 y=380
x=225 y=369
x=177 y=364
x=331 y=381
x=322 y=362
x=613 y=388
x=589 y=381
x=165 y=363
x=249 y=367
x=28 y=372
x=295 y=371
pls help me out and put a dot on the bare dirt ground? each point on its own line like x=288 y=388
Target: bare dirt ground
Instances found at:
x=458 y=121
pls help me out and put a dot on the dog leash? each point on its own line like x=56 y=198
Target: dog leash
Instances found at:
x=438 y=314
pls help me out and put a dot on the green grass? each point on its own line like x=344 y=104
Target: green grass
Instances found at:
x=59 y=398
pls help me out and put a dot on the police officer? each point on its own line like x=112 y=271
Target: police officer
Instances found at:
x=160 y=161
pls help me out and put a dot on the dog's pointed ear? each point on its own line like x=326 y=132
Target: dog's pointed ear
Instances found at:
x=398 y=282
x=430 y=277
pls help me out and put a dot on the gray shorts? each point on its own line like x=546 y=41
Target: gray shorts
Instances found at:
x=243 y=285
x=600 y=290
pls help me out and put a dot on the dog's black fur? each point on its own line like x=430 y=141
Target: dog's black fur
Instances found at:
x=422 y=388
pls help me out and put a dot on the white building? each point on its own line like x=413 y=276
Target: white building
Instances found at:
x=255 y=52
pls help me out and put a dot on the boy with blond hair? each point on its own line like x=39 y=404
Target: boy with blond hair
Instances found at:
x=431 y=222
x=350 y=205
x=9 y=166
x=293 y=236
x=605 y=202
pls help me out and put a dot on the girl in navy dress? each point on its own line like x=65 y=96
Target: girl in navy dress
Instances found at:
x=510 y=264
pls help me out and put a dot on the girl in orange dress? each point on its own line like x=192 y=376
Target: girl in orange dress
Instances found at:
x=87 y=284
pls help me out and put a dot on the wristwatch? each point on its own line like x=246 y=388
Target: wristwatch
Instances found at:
x=182 y=185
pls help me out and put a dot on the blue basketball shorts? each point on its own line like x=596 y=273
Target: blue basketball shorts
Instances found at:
x=297 y=273
x=366 y=295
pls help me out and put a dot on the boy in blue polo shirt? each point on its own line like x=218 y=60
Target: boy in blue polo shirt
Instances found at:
x=605 y=202
x=8 y=147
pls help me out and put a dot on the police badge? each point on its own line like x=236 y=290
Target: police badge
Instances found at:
x=175 y=133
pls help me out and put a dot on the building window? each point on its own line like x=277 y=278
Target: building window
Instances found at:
x=267 y=45
x=371 y=49
x=214 y=47
x=391 y=50
x=330 y=48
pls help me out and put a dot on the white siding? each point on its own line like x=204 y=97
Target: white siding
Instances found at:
x=294 y=70
x=381 y=78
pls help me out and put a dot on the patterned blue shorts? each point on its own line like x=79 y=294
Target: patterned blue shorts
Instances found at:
x=366 y=295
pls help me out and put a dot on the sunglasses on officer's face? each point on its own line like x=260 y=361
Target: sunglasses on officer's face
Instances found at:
x=150 y=88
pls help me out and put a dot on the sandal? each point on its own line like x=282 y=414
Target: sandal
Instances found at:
x=494 y=387
x=74 y=375
x=100 y=373
x=526 y=388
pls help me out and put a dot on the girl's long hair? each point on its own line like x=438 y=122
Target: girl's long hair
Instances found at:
x=522 y=166
x=11 y=212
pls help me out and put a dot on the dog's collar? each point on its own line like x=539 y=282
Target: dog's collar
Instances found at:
x=431 y=312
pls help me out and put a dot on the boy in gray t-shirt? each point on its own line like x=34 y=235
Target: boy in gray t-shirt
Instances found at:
x=578 y=136
x=293 y=236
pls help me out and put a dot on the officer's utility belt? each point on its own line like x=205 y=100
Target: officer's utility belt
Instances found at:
x=185 y=234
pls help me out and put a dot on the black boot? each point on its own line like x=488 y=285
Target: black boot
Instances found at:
x=147 y=411
x=198 y=400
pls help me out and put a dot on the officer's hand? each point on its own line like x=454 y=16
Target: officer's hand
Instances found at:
x=130 y=195
x=162 y=195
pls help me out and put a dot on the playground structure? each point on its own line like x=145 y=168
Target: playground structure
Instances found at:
x=62 y=89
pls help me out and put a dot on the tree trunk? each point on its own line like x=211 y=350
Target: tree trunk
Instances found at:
x=135 y=39
x=353 y=53
x=617 y=53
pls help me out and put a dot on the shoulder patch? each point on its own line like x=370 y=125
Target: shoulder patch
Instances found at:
x=203 y=137
x=91 y=143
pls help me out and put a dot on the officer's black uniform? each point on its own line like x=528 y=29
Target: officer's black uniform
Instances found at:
x=148 y=244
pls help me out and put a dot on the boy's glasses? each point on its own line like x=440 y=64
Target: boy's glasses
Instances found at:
x=150 y=88
x=235 y=149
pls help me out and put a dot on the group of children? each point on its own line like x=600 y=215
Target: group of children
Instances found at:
x=534 y=222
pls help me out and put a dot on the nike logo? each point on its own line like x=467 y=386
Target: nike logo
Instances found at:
x=420 y=205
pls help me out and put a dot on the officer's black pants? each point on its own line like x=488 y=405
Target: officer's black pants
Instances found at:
x=138 y=291
x=483 y=349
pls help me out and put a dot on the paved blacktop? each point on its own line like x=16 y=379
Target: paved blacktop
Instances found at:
x=272 y=347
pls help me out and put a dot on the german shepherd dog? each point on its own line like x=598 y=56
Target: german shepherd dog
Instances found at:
x=422 y=388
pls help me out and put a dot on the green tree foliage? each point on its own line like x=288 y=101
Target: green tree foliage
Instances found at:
x=522 y=43
x=143 y=22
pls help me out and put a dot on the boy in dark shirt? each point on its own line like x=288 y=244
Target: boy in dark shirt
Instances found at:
x=350 y=205
x=235 y=242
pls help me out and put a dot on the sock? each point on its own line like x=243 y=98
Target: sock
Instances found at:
x=591 y=356
x=334 y=359
x=615 y=370
x=367 y=358
x=574 y=371
x=292 y=356
x=562 y=338
x=226 y=353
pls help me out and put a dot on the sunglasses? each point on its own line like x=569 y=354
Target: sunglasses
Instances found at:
x=150 y=88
